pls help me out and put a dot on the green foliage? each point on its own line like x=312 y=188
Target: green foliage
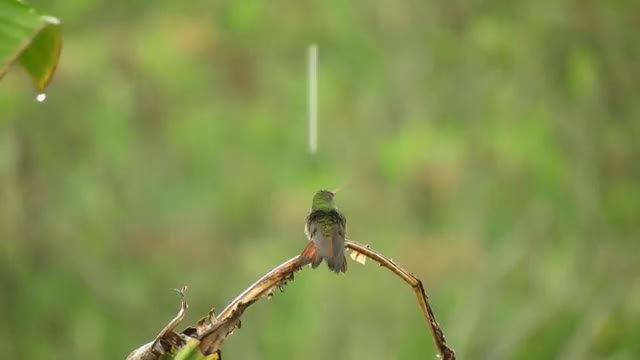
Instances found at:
x=31 y=39
x=190 y=351
x=491 y=149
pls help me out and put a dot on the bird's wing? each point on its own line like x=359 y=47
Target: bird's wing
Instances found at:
x=342 y=224
x=310 y=228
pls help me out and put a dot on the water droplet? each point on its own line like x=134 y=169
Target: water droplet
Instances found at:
x=41 y=97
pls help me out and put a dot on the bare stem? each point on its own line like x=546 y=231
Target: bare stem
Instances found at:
x=211 y=330
x=445 y=351
x=283 y=273
x=263 y=287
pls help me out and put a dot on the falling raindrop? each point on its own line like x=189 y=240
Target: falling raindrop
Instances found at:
x=41 y=97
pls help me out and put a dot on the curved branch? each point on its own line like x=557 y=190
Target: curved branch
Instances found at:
x=445 y=351
x=212 y=330
x=278 y=277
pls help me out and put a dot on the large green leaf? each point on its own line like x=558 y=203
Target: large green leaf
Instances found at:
x=31 y=39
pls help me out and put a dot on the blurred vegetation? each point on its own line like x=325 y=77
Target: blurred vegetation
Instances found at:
x=489 y=147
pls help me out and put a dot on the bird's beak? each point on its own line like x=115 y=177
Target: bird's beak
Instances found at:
x=334 y=192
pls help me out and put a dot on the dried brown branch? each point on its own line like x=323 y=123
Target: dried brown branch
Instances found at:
x=211 y=330
x=167 y=338
x=279 y=276
x=444 y=350
x=276 y=278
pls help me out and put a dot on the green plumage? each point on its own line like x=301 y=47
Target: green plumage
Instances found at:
x=323 y=200
x=326 y=229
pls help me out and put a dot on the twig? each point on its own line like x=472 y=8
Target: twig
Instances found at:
x=444 y=350
x=279 y=276
x=167 y=337
x=212 y=330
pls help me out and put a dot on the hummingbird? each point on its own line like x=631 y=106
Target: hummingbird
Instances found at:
x=325 y=228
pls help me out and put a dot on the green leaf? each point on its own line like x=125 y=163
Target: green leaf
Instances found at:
x=191 y=351
x=31 y=39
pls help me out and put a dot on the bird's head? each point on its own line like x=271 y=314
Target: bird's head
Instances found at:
x=323 y=200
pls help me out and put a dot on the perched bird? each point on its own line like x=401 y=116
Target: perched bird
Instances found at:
x=325 y=227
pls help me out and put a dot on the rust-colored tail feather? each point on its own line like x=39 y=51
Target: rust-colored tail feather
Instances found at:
x=310 y=255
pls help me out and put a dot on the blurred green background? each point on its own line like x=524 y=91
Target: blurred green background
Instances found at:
x=489 y=147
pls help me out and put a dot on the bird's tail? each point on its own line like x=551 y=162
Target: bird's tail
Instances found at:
x=310 y=255
x=338 y=262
